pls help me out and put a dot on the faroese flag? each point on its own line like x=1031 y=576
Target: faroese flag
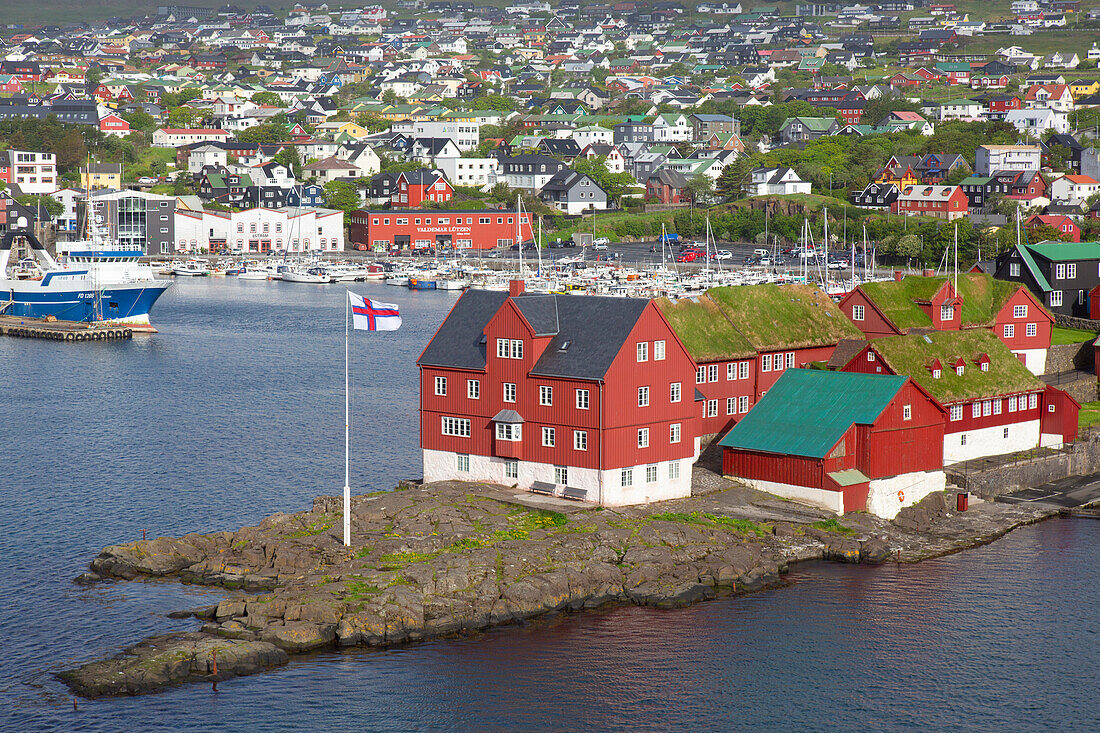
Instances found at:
x=370 y=315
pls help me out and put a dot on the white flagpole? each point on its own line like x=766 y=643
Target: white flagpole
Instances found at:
x=347 y=429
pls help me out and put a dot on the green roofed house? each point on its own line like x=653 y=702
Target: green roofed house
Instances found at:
x=841 y=441
x=742 y=339
x=920 y=304
x=994 y=404
x=1060 y=274
x=805 y=129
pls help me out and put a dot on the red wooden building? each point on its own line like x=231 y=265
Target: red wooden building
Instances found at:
x=742 y=339
x=841 y=441
x=420 y=229
x=1008 y=309
x=413 y=188
x=994 y=404
x=589 y=398
x=1066 y=227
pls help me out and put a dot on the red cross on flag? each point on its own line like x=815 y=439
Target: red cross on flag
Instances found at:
x=371 y=315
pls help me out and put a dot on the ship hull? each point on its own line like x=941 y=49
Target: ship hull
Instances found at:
x=127 y=304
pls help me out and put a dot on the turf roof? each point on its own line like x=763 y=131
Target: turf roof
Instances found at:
x=912 y=354
x=738 y=321
x=983 y=297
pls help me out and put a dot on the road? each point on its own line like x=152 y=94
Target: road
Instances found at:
x=1073 y=491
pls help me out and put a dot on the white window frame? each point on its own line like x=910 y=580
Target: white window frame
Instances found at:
x=712 y=408
x=546 y=395
x=1055 y=298
x=643 y=437
x=956 y=413
x=462 y=462
x=549 y=437
x=744 y=370
x=674 y=433
x=440 y=386
x=731 y=371
x=503 y=348
x=947 y=312
x=712 y=372
x=1032 y=401
x=473 y=389
x=765 y=362
x=1009 y=330
x=582 y=399
x=580 y=440
x=455 y=427
x=659 y=350
x=626 y=477
x=1032 y=329
x=561 y=475
x=674 y=392
x=997 y=406
x=510 y=432
x=790 y=360
x=1019 y=311
x=731 y=405
x=857 y=313
x=651 y=473
x=509 y=392
x=511 y=469
x=976 y=409
x=743 y=404
x=906 y=412
x=701 y=375
x=642 y=351
x=673 y=470
x=643 y=396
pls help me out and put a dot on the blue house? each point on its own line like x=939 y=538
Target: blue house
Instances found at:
x=305 y=195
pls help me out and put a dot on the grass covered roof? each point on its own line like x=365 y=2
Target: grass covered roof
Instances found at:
x=738 y=321
x=982 y=296
x=912 y=355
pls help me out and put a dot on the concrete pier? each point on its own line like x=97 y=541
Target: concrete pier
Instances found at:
x=71 y=331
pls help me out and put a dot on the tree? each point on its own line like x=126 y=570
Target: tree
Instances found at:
x=48 y=204
x=341 y=195
x=183 y=117
x=93 y=76
x=141 y=120
x=730 y=183
x=701 y=188
x=291 y=158
x=269 y=98
x=389 y=96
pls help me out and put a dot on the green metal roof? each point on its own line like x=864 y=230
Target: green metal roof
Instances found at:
x=849 y=477
x=1061 y=251
x=808 y=411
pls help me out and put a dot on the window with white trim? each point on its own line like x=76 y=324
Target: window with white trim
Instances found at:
x=1014 y=269
x=517 y=349
x=857 y=312
x=907 y=412
x=1032 y=401
x=473 y=389
x=790 y=360
x=987 y=408
x=643 y=437
x=673 y=470
x=441 y=386
x=744 y=370
x=580 y=440
x=1019 y=311
x=1009 y=330
x=658 y=350
x=956 y=413
x=1012 y=403
x=626 y=477
x=1071 y=271
x=996 y=407
x=546 y=395
x=1055 y=298
x=1031 y=329
x=674 y=433
x=947 y=312
x=582 y=399
x=548 y=437
x=765 y=362
x=731 y=405
x=870 y=355
x=712 y=372
x=512 y=432
x=561 y=475
x=712 y=408
x=462 y=463
x=643 y=396
x=731 y=371
x=503 y=348
x=976 y=409
x=643 y=351
x=701 y=375
x=509 y=392
x=651 y=473
x=674 y=392
x=743 y=404
x=511 y=469
x=458 y=427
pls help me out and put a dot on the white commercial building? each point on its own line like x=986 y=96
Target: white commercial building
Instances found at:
x=990 y=158
x=170 y=137
x=466 y=135
x=469 y=171
x=32 y=172
x=260 y=230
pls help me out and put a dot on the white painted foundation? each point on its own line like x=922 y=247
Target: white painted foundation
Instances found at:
x=990 y=441
x=603 y=487
x=1051 y=440
x=1034 y=359
x=884 y=500
x=832 y=501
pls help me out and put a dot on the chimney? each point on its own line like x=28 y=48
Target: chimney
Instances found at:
x=898 y=276
x=515 y=287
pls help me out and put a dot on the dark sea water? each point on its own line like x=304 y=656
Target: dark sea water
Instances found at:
x=234 y=411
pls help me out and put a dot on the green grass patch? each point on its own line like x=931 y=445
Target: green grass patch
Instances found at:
x=1089 y=414
x=359 y=590
x=1060 y=336
x=363 y=552
x=311 y=530
x=832 y=525
x=744 y=526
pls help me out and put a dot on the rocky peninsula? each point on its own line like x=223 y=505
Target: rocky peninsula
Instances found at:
x=450 y=558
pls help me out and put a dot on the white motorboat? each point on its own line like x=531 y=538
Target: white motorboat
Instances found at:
x=254 y=273
x=191 y=268
x=312 y=275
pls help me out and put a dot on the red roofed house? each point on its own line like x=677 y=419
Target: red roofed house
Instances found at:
x=587 y=398
x=1050 y=96
x=916 y=303
x=1067 y=228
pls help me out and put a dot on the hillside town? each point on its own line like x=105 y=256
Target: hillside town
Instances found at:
x=951 y=149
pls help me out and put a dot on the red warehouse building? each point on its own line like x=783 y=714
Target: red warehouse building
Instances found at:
x=994 y=404
x=435 y=228
x=918 y=303
x=589 y=398
x=841 y=441
x=742 y=339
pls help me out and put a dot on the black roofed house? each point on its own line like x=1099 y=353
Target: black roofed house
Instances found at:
x=876 y=195
x=586 y=398
x=573 y=192
x=565 y=148
x=668 y=187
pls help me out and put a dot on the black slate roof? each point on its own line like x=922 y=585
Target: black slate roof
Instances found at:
x=457 y=343
x=541 y=311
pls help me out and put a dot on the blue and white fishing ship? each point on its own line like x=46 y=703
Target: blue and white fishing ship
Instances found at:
x=94 y=281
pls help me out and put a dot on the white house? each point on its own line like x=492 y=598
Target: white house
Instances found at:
x=170 y=137
x=671 y=128
x=260 y=230
x=1037 y=121
x=776 y=181
x=1073 y=189
x=961 y=109
x=204 y=155
x=469 y=171
x=466 y=135
x=33 y=172
x=589 y=134
x=989 y=158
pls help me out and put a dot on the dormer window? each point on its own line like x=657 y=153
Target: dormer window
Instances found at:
x=985 y=366
x=936 y=373
x=959 y=370
x=947 y=312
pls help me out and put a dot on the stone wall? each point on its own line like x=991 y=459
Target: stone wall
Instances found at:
x=1070 y=357
x=1070 y=322
x=1079 y=459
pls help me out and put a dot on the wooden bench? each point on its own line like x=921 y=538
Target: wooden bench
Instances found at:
x=575 y=494
x=542 y=487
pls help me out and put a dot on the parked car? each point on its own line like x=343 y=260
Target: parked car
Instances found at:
x=837 y=265
x=146 y=181
x=753 y=260
x=688 y=256
x=600 y=240
x=723 y=254
x=598 y=246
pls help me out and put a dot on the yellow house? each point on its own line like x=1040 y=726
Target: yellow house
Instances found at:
x=101 y=175
x=1083 y=88
x=348 y=128
x=900 y=177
